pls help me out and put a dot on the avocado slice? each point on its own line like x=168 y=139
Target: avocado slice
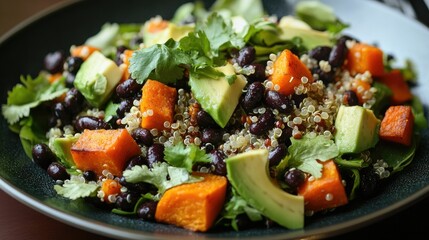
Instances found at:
x=248 y=174
x=61 y=147
x=292 y=27
x=97 y=78
x=217 y=96
x=356 y=129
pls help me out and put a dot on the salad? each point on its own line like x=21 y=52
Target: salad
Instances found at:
x=220 y=118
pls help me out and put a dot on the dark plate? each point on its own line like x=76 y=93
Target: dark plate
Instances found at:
x=22 y=51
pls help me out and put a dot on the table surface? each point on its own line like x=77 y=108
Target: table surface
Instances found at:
x=18 y=221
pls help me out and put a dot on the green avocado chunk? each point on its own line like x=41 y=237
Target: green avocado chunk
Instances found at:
x=248 y=174
x=61 y=147
x=217 y=96
x=356 y=129
x=97 y=78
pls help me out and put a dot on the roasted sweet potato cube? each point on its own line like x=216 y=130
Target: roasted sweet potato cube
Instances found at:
x=98 y=150
x=397 y=125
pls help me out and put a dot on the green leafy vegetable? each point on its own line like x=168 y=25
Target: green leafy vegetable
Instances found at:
x=249 y=9
x=304 y=153
x=76 y=188
x=397 y=156
x=161 y=175
x=319 y=16
x=420 y=121
x=29 y=94
x=183 y=156
x=237 y=206
x=199 y=52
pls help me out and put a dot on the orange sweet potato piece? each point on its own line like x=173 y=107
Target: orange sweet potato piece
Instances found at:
x=396 y=82
x=99 y=150
x=194 y=206
x=110 y=187
x=288 y=71
x=156 y=25
x=83 y=51
x=397 y=125
x=325 y=192
x=364 y=57
x=157 y=104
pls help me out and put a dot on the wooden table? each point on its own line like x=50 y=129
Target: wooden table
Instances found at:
x=18 y=221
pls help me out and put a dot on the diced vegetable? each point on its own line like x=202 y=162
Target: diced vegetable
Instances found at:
x=363 y=57
x=288 y=71
x=397 y=125
x=395 y=81
x=110 y=187
x=325 y=192
x=157 y=104
x=83 y=51
x=156 y=25
x=99 y=150
x=193 y=206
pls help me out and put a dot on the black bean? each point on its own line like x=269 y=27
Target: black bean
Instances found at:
x=73 y=101
x=119 y=51
x=54 y=62
x=128 y=88
x=42 y=155
x=211 y=135
x=72 y=64
x=155 y=153
x=89 y=176
x=285 y=137
x=294 y=177
x=277 y=154
x=265 y=122
x=57 y=171
x=147 y=210
x=258 y=75
x=91 y=123
x=127 y=201
x=142 y=136
x=320 y=53
x=124 y=106
x=62 y=113
x=70 y=80
x=278 y=101
x=246 y=56
x=135 y=161
x=338 y=53
x=204 y=120
x=218 y=162
x=253 y=97
x=326 y=77
x=350 y=98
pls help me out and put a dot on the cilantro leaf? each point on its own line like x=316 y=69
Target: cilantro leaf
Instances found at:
x=29 y=94
x=305 y=152
x=237 y=205
x=75 y=188
x=161 y=175
x=183 y=156
x=163 y=62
